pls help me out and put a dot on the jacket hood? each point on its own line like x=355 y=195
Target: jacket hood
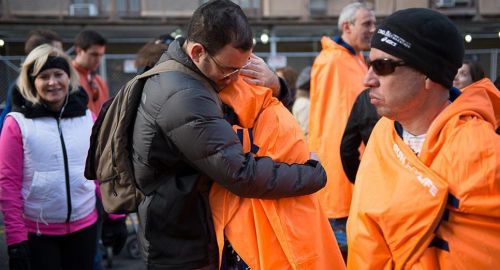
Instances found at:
x=247 y=100
x=327 y=43
x=478 y=100
x=484 y=99
x=76 y=106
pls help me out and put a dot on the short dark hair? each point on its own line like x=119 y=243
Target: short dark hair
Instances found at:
x=149 y=54
x=86 y=38
x=475 y=70
x=38 y=37
x=289 y=75
x=218 y=23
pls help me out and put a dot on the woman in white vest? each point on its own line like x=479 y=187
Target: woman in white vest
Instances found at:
x=48 y=205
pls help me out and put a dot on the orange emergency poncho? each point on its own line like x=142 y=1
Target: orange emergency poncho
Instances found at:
x=336 y=80
x=288 y=233
x=438 y=210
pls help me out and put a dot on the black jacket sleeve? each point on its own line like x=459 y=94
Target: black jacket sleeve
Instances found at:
x=194 y=124
x=359 y=126
x=349 y=146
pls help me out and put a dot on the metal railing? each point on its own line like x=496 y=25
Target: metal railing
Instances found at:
x=117 y=69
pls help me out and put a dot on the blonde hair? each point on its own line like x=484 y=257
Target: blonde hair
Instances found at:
x=35 y=60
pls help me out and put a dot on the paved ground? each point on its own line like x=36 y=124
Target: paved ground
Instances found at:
x=123 y=262
x=120 y=262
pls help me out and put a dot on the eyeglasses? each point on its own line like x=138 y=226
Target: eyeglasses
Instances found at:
x=235 y=70
x=385 y=66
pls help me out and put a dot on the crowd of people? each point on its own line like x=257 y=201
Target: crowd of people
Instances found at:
x=388 y=162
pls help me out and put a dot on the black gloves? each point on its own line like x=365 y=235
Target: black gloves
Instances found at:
x=19 y=256
x=114 y=234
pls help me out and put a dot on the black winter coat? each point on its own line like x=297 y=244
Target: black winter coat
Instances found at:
x=359 y=126
x=181 y=143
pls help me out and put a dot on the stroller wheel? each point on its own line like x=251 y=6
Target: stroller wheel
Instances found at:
x=133 y=248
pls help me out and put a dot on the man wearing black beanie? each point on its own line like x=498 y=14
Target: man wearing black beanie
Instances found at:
x=427 y=191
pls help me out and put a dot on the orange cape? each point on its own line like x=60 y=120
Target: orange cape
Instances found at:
x=288 y=233
x=336 y=80
x=438 y=210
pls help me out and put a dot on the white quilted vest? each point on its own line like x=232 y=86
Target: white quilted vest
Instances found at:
x=44 y=183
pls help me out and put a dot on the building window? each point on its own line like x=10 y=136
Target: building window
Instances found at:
x=250 y=7
x=248 y=4
x=242 y=3
x=84 y=2
x=317 y=7
x=84 y=8
x=128 y=7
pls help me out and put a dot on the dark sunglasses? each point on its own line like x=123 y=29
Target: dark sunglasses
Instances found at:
x=385 y=66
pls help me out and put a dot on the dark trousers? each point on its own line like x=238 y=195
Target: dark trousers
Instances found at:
x=231 y=260
x=73 y=251
x=98 y=253
x=339 y=229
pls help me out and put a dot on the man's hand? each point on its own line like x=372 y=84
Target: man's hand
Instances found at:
x=259 y=73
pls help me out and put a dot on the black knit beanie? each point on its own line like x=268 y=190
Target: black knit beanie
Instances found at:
x=425 y=39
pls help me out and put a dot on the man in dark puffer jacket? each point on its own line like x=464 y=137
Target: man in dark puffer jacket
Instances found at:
x=181 y=143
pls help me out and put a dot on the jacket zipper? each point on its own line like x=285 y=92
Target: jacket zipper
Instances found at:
x=66 y=170
x=65 y=158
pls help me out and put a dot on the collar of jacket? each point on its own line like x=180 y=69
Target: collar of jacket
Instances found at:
x=79 y=68
x=344 y=44
x=176 y=53
x=76 y=106
x=454 y=94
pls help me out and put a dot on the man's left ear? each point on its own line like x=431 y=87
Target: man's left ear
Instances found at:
x=430 y=84
x=346 y=27
x=196 y=52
